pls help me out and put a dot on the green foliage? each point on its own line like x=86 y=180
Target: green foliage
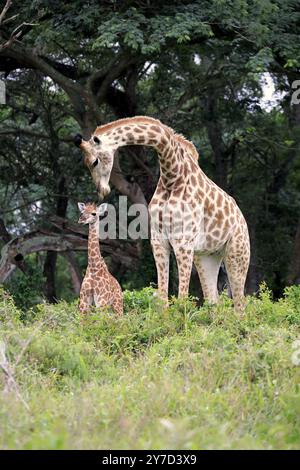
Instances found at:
x=196 y=65
x=261 y=61
x=141 y=300
x=134 y=279
x=184 y=378
x=26 y=288
x=9 y=313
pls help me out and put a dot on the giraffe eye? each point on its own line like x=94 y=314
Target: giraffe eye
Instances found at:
x=96 y=140
x=94 y=213
x=95 y=163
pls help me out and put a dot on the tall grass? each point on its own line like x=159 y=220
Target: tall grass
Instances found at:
x=188 y=378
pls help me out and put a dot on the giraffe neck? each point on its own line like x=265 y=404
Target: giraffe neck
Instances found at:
x=95 y=259
x=152 y=133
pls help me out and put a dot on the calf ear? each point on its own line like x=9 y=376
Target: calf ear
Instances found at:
x=81 y=206
x=102 y=209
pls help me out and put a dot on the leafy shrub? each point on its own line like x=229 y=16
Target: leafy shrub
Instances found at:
x=8 y=310
x=26 y=288
x=141 y=300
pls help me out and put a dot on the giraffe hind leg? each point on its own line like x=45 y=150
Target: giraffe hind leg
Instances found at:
x=208 y=267
x=236 y=260
x=117 y=298
x=117 y=305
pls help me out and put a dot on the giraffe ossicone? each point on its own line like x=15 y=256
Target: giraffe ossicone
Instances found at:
x=99 y=287
x=219 y=234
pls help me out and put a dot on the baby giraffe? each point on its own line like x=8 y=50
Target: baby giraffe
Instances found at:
x=99 y=287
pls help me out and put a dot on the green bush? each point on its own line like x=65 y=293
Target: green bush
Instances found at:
x=8 y=310
x=26 y=287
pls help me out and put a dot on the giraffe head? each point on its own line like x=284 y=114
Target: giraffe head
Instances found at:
x=99 y=158
x=90 y=212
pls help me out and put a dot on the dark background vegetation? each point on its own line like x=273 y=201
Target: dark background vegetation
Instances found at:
x=199 y=67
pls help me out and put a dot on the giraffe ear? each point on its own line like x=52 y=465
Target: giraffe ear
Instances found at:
x=81 y=206
x=102 y=209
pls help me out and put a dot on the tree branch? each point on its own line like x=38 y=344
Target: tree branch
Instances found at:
x=15 y=250
x=5 y=10
x=32 y=133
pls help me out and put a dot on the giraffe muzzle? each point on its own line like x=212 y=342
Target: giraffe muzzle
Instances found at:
x=82 y=220
x=102 y=191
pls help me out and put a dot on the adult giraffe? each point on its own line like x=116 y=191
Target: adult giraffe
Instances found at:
x=214 y=229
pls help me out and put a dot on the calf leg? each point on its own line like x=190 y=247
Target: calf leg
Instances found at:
x=86 y=298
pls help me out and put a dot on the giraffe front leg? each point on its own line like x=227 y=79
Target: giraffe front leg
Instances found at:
x=161 y=253
x=184 y=257
x=85 y=299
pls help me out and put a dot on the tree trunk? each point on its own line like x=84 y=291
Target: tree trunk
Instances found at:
x=294 y=271
x=254 y=277
x=49 y=274
x=51 y=257
x=74 y=271
x=214 y=132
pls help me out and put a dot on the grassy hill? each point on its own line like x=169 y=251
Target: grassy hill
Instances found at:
x=188 y=378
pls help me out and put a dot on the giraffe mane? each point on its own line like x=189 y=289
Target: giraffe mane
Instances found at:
x=144 y=119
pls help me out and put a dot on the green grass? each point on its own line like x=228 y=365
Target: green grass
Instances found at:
x=188 y=378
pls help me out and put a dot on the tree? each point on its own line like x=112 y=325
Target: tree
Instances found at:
x=196 y=65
